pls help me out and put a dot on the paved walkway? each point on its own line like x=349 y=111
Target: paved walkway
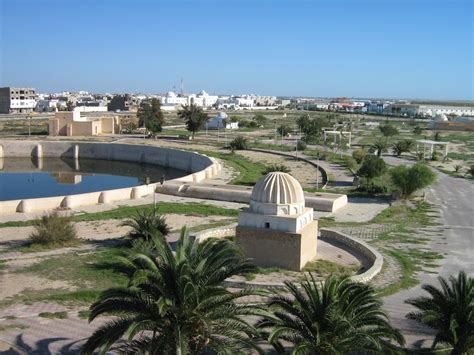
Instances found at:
x=453 y=197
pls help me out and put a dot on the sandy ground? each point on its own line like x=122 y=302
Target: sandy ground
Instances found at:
x=103 y=229
x=14 y=283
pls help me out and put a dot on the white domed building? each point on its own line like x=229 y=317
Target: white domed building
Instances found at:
x=277 y=230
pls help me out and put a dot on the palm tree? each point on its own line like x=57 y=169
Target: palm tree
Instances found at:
x=336 y=317
x=145 y=223
x=401 y=147
x=450 y=311
x=379 y=146
x=194 y=117
x=175 y=302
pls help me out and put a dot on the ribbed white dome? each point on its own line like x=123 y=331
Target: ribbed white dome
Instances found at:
x=278 y=188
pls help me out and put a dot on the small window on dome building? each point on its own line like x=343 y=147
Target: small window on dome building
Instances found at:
x=267 y=225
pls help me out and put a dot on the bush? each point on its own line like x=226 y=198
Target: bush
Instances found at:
x=145 y=223
x=435 y=156
x=54 y=230
x=471 y=171
x=359 y=155
x=388 y=130
x=239 y=143
x=301 y=145
x=284 y=130
x=371 y=167
x=373 y=188
x=410 y=179
x=351 y=163
x=276 y=167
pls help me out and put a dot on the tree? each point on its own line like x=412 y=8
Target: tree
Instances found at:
x=239 y=143
x=145 y=223
x=401 y=147
x=260 y=119
x=359 y=155
x=150 y=116
x=410 y=179
x=303 y=121
x=417 y=130
x=371 y=167
x=379 y=146
x=69 y=105
x=388 y=130
x=284 y=130
x=336 y=317
x=195 y=118
x=448 y=310
x=175 y=302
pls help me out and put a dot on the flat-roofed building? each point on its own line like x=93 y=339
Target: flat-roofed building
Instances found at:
x=17 y=100
x=66 y=123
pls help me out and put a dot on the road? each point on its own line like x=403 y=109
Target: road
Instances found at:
x=454 y=199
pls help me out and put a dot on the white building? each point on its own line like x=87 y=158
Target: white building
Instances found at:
x=434 y=110
x=222 y=121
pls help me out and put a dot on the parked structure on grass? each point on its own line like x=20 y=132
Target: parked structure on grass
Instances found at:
x=277 y=230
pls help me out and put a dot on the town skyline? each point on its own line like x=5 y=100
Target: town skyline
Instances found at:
x=342 y=48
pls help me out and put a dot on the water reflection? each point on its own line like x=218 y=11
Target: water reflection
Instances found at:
x=32 y=177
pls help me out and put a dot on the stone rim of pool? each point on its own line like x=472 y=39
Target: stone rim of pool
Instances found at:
x=199 y=166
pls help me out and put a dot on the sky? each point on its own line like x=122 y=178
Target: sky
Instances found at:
x=327 y=48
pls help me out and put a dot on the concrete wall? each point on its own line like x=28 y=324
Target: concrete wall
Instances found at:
x=319 y=201
x=374 y=257
x=199 y=167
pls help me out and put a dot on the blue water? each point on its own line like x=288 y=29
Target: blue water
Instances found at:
x=24 y=178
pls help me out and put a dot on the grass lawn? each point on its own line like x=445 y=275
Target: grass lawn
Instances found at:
x=249 y=172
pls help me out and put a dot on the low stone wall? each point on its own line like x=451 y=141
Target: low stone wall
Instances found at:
x=373 y=256
x=324 y=174
x=199 y=166
x=319 y=201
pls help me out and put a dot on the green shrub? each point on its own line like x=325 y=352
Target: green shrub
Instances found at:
x=359 y=155
x=373 y=188
x=372 y=167
x=471 y=171
x=239 y=143
x=145 y=223
x=301 y=145
x=351 y=163
x=54 y=230
x=410 y=179
x=277 y=167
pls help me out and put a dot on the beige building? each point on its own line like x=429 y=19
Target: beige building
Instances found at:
x=277 y=230
x=66 y=123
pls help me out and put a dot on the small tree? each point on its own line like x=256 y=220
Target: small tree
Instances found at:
x=239 y=143
x=301 y=145
x=401 y=147
x=417 y=130
x=379 y=147
x=145 y=223
x=150 y=116
x=260 y=119
x=410 y=179
x=388 y=130
x=371 y=168
x=194 y=117
x=359 y=155
x=284 y=130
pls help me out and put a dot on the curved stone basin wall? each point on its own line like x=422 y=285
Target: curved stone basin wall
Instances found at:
x=199 y=166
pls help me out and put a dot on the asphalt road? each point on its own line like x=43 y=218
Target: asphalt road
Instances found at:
x=454 y=198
